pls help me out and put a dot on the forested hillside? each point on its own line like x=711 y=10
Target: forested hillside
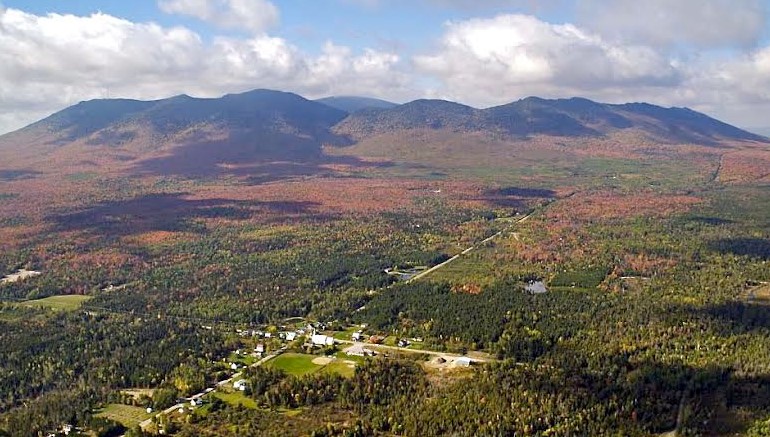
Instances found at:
x=240 y=266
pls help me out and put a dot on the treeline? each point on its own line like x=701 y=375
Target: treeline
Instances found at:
x=67 y=354
x=565 y=394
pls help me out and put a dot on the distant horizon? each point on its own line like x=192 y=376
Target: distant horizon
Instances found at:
x=708 y=55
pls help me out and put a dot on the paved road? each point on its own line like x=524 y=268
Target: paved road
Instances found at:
x=475 y=356
x=169 y=410
x=466 y=251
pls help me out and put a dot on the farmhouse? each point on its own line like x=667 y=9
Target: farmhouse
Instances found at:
x=322 y=340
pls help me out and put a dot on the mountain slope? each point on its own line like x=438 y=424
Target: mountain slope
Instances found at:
x=240 y=133
x=352 y=104
x=533 y=116
x=424 y=113
x=181 y=134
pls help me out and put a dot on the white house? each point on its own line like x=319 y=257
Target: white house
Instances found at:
x=357 y=336
x=260 y=348
x=290 y=336
x=240 y=385
x=322 y=340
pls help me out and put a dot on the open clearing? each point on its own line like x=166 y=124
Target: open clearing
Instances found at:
x=344 y=368
x=759 y=294
x=303 y=364
x=127 y=415
x=136 y=393
x=235 y=399
x=322 y=361
x=68 y=302
x=19 y=276
x=295 y=364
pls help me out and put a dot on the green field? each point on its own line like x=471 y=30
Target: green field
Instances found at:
x=302 y=364
x=295 y=364
x=236 y=398
x=127 y=415
x=340 y=367
x=68 y=302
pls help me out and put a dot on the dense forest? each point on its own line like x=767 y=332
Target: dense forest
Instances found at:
x=654 y=319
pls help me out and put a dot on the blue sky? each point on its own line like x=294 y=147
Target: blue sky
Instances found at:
x=711 y=55
x=358 y=24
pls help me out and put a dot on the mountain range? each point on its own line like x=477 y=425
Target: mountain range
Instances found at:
x=183 y=134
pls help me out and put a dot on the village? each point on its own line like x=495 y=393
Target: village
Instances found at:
x=298 y=347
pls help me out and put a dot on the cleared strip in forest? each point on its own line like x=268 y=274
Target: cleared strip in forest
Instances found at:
x=466 y=251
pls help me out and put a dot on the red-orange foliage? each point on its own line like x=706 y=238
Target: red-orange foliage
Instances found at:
x=745 y=166
x=469 y=288
x=608 y=205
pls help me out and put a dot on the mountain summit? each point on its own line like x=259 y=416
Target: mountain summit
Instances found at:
x=199 y=136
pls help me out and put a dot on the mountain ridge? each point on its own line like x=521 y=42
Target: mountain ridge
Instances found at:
x=191 y=136
x=572 y=117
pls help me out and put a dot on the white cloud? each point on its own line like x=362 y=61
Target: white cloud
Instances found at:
x=50 y=62
x=493 y=61
x=736 y=89
x=252 y=15
x=702 y=23
x=509 y=56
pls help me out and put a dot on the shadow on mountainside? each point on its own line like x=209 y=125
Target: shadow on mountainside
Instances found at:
x=256 y=158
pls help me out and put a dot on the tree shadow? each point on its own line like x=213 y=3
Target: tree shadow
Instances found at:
x=525 y=192
x=752 y=247
x=660 y=397
x=17 y=175
x=737 y=317
x=516 y=197
x=170 y=212
x=712 y=221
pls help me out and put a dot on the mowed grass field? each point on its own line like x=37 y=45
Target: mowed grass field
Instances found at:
x=302 y=364
x=340 y=367
x=68 y=302
x=295 y=364
x=127 y=415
